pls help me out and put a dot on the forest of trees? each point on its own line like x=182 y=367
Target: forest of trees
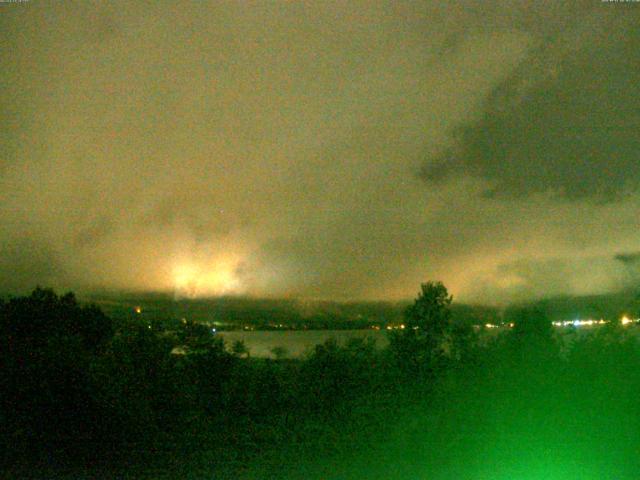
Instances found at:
x=84 y=394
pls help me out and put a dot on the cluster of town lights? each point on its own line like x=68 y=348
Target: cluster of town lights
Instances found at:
x=580 y=323
x=625 y=320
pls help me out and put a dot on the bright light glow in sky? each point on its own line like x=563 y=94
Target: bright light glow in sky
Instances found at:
x=347 y=150
x=216 y=277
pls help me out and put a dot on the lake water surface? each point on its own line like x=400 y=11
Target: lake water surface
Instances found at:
x=297 y=342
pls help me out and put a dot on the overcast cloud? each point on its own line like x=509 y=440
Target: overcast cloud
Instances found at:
x=320 y=149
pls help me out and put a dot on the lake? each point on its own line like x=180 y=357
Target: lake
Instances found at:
x=297 y=342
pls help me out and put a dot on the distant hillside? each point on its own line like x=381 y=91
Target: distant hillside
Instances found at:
x=235 y=312
x=607 y=306
x=265 y=313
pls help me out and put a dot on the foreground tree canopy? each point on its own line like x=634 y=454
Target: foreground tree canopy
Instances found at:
x=79 y=392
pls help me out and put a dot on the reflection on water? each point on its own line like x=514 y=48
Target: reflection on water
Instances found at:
x=296 y=343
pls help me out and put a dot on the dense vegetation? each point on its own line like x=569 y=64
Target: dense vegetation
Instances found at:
x=83 y=396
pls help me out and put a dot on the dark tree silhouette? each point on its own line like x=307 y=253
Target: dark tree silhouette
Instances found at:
x=37 y=318
x=47 y=346
x=279 y=352
x=531 y=322
x=426 y=332
x=239 y=348
x=431 y=312
x=197 y=336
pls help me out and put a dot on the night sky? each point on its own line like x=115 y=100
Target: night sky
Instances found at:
x=338 y=150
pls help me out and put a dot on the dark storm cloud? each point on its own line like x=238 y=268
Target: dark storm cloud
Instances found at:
x=631 y=268
x=534 y=278
x=566 y=121
x=629 y=259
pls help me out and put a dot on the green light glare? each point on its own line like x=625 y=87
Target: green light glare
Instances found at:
x=546 y=469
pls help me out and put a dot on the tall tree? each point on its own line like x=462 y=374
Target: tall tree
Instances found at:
x=431 y=312
x=427 y=328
